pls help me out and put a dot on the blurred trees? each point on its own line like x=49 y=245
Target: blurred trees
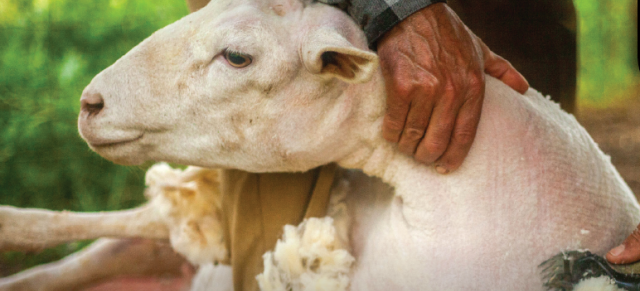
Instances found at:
x=608 y=68
x=50 y=50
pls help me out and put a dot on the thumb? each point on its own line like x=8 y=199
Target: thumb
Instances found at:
x=499 y=68
x=628 y=251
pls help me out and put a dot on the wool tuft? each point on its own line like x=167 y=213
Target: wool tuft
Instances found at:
x=307 y=258
x=190 y=203
x=602 y=283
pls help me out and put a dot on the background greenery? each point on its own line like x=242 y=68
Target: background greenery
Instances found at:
x=607 y=42
x=50 y=50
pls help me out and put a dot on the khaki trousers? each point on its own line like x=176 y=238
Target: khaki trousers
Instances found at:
x=257 y=207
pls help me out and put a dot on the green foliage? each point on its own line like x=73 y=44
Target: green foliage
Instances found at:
x=49 y=51
x=608 y=70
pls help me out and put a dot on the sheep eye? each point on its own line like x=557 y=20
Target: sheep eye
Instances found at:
x=238 y=60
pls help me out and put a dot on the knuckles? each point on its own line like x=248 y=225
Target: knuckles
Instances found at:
x=433 y=149
x=418 y=86
x=413 y=134
x=445 y=77
x=402 y=90
x=464 y=137
x=476 y=83
x=393 y=124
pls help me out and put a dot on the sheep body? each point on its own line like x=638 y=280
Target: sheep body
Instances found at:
x=533 y=184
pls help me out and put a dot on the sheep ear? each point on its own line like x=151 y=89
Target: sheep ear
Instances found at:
x=326 y=52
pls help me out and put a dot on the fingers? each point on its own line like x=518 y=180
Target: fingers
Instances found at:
x=628 y=251
x=434 y=75
x=438 y=134
x=399 y=88
x=462 y=137
x=415 y=127
x=501 y=69
x=395 y=118
x=417 y=121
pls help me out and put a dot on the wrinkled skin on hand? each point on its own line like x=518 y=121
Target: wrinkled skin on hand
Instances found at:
x=628 y=252
x=434 y=67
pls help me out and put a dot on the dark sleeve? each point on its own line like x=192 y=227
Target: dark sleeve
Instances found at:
x=376 y=17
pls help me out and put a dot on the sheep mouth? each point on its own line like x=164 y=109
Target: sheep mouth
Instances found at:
x=113 y=143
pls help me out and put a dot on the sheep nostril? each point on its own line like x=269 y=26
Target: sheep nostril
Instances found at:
x=91 y=103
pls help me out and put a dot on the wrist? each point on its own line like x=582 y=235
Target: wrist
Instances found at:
x=377 y=27
x=426 y=18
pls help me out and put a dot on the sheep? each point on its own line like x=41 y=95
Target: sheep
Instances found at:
x=102 y=260
x=184 y=207
x=308 y=93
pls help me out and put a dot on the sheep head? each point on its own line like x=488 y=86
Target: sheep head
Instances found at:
x=256 y=86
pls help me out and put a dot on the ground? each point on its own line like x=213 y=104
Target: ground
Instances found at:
x=617 y=132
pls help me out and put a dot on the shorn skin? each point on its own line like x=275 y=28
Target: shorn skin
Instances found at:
x=533 y=184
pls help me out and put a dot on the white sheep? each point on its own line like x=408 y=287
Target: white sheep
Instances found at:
x=533 y=184
x=184 y=207
x=103 y=260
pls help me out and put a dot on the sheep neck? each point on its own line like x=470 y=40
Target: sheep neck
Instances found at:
x=383 y=160
x=377 y=157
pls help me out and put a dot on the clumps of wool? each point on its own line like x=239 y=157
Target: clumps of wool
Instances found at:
x=307 y=258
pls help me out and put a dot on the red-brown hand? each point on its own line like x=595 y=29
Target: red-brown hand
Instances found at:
x=628 y=251
x=434 y=67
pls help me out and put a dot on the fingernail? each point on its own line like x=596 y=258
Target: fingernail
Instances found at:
x=441 y=170
x=617 y=250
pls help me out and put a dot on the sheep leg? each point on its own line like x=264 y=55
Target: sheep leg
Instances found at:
x=36 y=229
x=102 y=260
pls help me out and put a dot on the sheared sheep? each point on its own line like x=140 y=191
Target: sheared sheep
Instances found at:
x=307 y=93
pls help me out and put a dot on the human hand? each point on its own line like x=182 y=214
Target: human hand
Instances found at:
x=628 y=251
x=434 y=67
